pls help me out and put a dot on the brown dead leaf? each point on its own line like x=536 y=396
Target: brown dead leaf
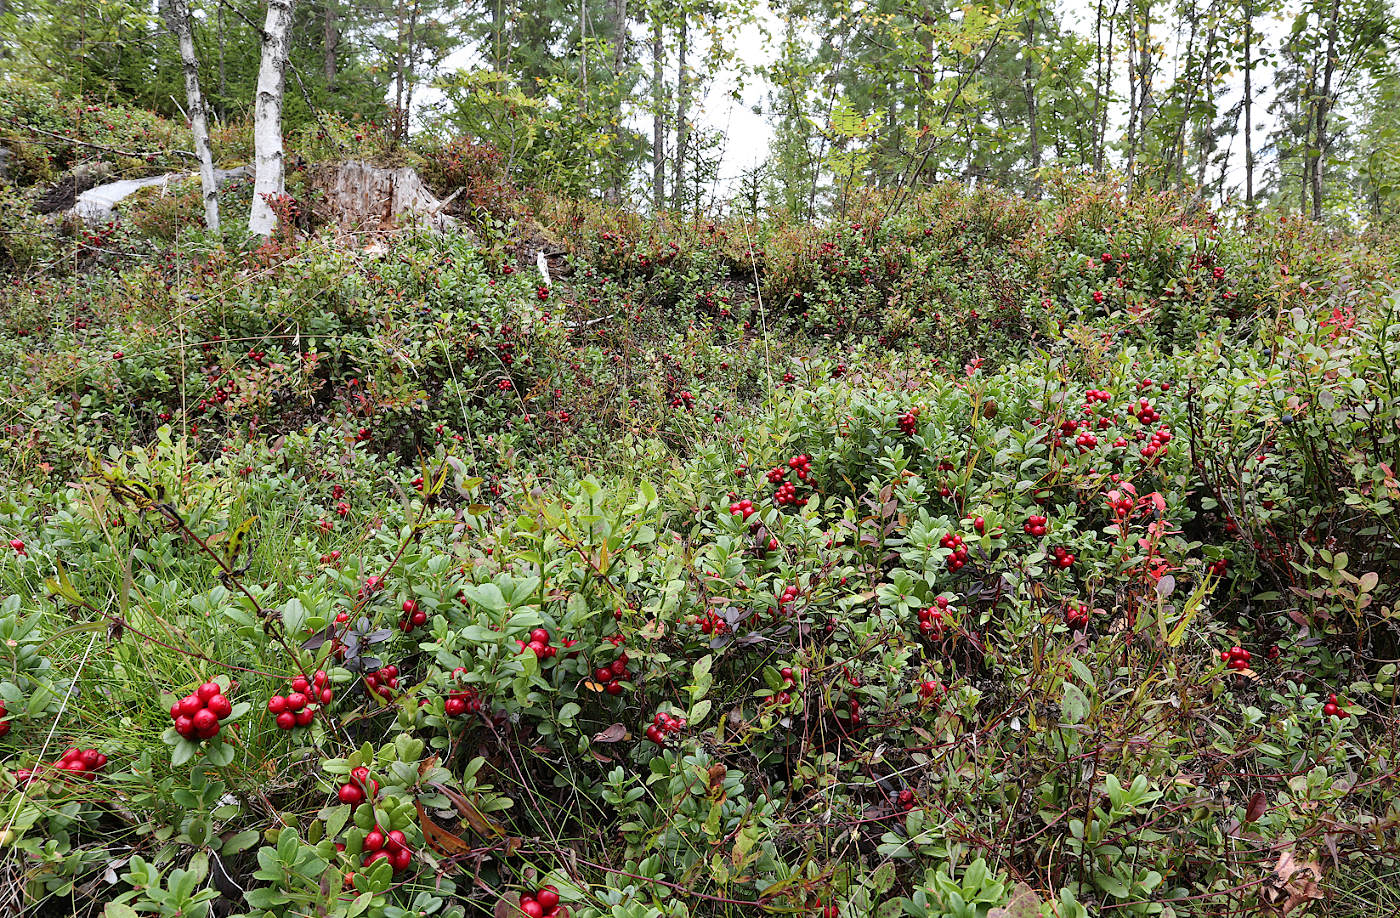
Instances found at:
x=479 y=822
x=508 y=906
x=615 y=733
x=1258 y=805
x=1024 y=904
x=1295 y=883
x=438 y=838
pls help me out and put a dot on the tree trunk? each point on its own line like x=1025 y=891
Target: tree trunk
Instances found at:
x=267 y=117
x=1248 y=113
x=330 y=43
x=658 y=117
x=412 y=64
x=1323 y=108
x=1028 y=80
x=178 y=19
x=682 y=114
x=1207 y=72
x=619 y=49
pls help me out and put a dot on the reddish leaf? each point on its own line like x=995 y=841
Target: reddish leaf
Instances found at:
x=613 y=734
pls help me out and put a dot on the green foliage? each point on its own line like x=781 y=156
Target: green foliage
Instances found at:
x=888 y=692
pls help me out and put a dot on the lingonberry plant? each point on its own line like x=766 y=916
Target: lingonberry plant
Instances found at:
x=877 y=567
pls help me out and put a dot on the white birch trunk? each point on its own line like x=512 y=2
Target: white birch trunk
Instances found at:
x=179 y=22
x=267 y=116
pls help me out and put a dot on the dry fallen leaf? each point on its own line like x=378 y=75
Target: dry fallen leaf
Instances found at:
x=1295 y=883
x=612 y=734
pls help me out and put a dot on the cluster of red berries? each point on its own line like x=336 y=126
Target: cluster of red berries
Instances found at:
x=387 y=846
x=4 y=723
x=1144 y=412
x=75 y=763
x=905 y=800
x=1158 y=443
x=662 y=726
x=1121 y=504
x=539 y=644
x=383 y=681
x=776 y=474
x=930 y=688
x=802 y=465
x=359 y=788
x=1063 y=558
x=909 y=422
x=1333 y=708
x=1077 y=615
x=786 y=597
x=1237 y=658
x=18 y=546
x=1096 y=395
x=931 y=618
x=331 y=558
x=784 y=696
x=1098 y=296
x=787 y=494
x=683 y=400
x=298 y=708
x=544 y=903
x=1035 y=525
x=412 y=616
x=742 y=508
x=1218 y=566
x=462 y=701
x=542 y=292
x=612 y=676
x=710 y=623
x=197 y=716
x=1086 y=441
x=960 y=555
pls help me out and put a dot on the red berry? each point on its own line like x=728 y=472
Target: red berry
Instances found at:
x=276 y=704
x=304 y=717
x=220 y=706
x=296 y=701
x=190 y=705
x=184 y=726
x=205 y=723
x=374 y=840
x=548 y=897
x=351 y=794
x=208 y=690
x=299 y=684
x=286 y=720
x=401 y=859
x=539 y=635
x=531 y=908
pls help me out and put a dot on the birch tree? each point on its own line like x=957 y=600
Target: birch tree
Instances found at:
x=267 y=117
x=177 y=17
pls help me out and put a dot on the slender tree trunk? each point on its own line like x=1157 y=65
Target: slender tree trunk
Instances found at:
x=658 y=117
x=223 y=80
x=267 y=117
x=1248 y=113
x=412 y=63
x=1207 y=72
x=330 y=44
x=619 y=49
x=1028 y=81
x=399 y=40
x=1323 y=107
x=1132 y=90
x=178 y=19
x=682 y=114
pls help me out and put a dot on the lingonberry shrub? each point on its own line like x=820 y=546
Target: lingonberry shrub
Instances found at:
x=904 y=593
